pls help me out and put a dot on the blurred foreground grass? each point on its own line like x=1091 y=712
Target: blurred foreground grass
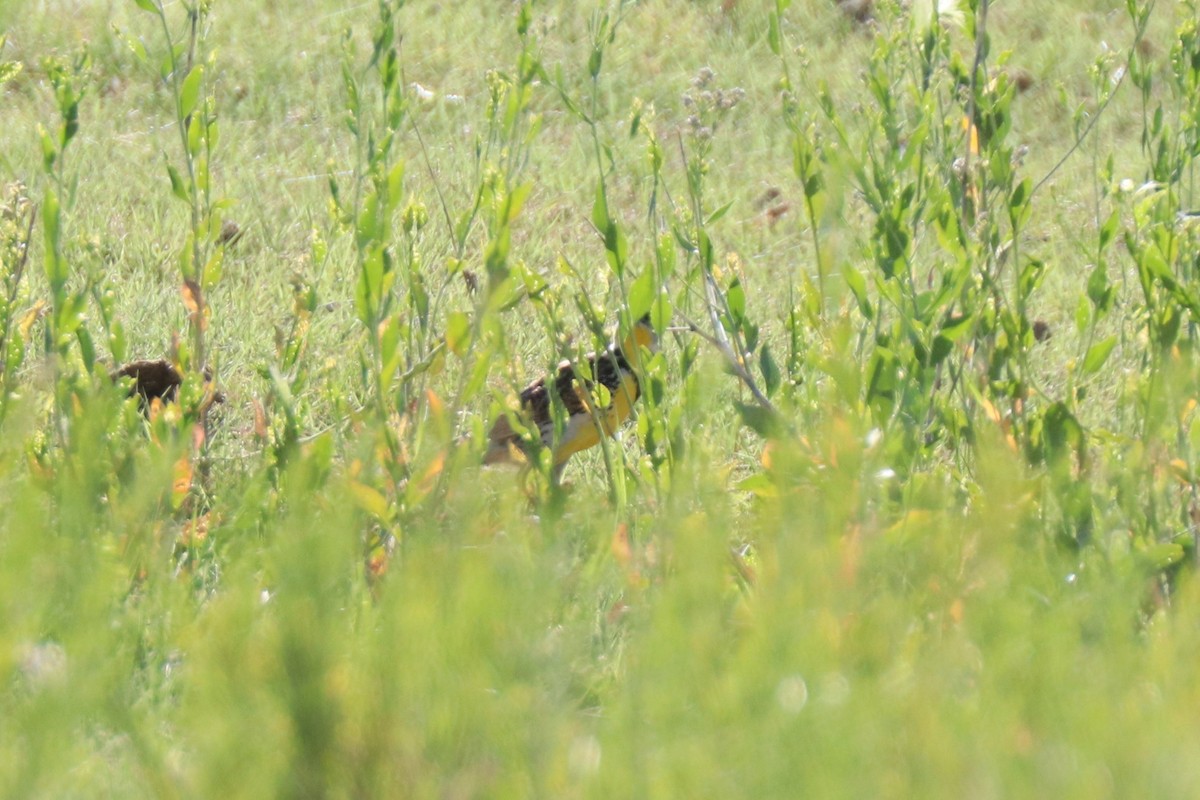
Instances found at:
x=950 y=653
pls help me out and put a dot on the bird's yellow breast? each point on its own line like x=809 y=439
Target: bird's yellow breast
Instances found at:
x=582 y=433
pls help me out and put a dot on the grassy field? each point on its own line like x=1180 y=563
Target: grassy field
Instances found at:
x=910 y=502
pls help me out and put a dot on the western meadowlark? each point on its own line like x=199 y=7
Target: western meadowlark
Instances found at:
x=614 y=369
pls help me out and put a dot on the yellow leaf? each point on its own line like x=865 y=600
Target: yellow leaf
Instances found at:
x=193 y=301
x=1188 y=408
x=369 y=499
x=437 y=414
x=974 y=143
x=425 y=484
x=31 y=316
x=914 y=520
x=436 y=407
x=261 y=430
x=990 y=410
x=1180 y=468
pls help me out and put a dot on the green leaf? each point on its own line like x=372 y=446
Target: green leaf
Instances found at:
x=187 y=266
x=858 y=287
x=1031 y=276
x=660 y=311
x=55 y=264
x=1020 y=195
x=458 y=332
x=395 y=185
x=1098 y=290
x=641 y=294
x=370 y=283
x=773 y=33
x=682 y=239
x=760 y=420
x=600 y=209
x=177 y=187
x=1083 y=315
x=595 y=61
x=882 y=378
x=214 y=135
x=558 y=82
x=87 y=347
x=735 y=297
x=535 y=284
x=117 y=343
x=366 y=229
x=1163 y=555
x=1097 y=354
x=665 y=254
x=956 y=326
x=201 y=174
x=390 y=355
x=759 y=485
x=1064 y=434
x=479 y=375
x=1158 y=266
x=496 y=256
x=463 y=228
x=720 y=212
x=1108 y=230
x=189 y=93
x=617 y=247
x=770 y=370
x=214 y=269
x=942 y=347
x=194 y=136
x=70 y=316
x=602 y=395
x=147 y=5
x=516 y=200
x=49 y=151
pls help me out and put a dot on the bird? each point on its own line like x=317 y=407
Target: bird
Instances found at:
x=614 y=369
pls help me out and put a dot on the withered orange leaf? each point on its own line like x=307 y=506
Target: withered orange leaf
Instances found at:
x=182 y=483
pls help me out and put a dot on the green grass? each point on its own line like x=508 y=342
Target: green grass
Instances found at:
x=900 y=547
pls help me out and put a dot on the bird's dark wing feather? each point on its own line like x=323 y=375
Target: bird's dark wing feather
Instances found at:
x=607 y=368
